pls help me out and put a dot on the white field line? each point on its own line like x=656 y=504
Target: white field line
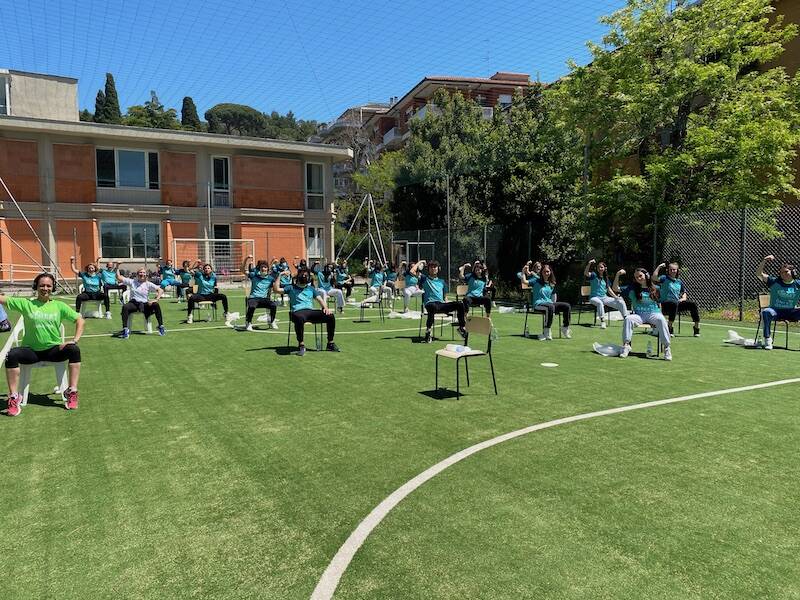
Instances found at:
x=272 y=331
x=330 y=578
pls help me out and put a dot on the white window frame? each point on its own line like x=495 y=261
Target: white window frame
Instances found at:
x=5 y=82
x=117 y=186
x=319 y=235
x=130 y=239
x=305 y=185
x=213 y=183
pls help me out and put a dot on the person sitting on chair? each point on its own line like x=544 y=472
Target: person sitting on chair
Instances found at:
x=301 y=295
x=542 y=286
x=325 y=285
x=92 y=286
x=261 y=280
x=343 y=279
x=644 y=309
x=411 y=290
x=377 y=281
x=109 y=276
x=42 y=340
x=139 y=301
x=476 y=281
x=434 y=298
x=601 y=294
x=672 y=294
x=206 y=281
x=280 y=269
x=169 y=275
x=185 y=275
x=784 y=294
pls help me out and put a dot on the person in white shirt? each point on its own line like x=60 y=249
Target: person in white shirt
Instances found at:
x=139 y=301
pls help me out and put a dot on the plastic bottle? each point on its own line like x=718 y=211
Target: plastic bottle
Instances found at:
x=650 y=352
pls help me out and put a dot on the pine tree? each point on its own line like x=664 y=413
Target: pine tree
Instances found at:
x=111 y=111
x=85 y=115
x=99 y=107
x=189 y=118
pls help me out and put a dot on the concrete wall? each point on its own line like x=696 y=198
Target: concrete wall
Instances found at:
x=43 y=97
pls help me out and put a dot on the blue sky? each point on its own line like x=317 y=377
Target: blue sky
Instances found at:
x=314 y=58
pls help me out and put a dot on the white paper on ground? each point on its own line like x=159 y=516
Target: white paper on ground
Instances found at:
x=505 y=310
x=549 y=364
x=607 y=349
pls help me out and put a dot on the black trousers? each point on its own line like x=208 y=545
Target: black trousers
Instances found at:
x=121 y=287
x=553 y=308
x=484 y=301
x=308 y=315
x=180 y=287
x=147 y=309
x=491 y=292
x=347 y=287
x=434 y=308
x=215 y=297
x=671 y=309
x=29 y=356
x=254 y=303
x=84 y=296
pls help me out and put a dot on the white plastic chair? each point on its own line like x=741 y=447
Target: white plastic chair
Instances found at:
x=148 y=326
x=25 y=371
x=86 y=313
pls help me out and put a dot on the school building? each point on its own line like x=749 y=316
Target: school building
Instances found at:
x=125 y=193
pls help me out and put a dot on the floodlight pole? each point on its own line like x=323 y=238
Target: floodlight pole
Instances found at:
x=447 y=184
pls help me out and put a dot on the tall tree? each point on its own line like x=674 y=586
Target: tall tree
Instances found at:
x=189 y=118
x=236 y=119
x=111 y=110
x=99 y=107
x=85 y=115
x=152 y=114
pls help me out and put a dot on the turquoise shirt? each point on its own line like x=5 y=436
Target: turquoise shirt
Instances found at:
x=376 y=277
x=205 y=286
x=341 y=276
x=260 y=286
x=599 y=286
x=108 y=277
x=300 y=298
x=670 y=289
x=541 y=293
x=475 y=286
x=185 y=275
x=167 y=272
x=391 y=275
x=645 y=306
x=433 y=289
x=783 y=295
x=411 y=279
x=322 y=283
x=91 y=283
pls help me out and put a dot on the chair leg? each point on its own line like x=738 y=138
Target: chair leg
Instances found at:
x=437 y=372
x=494 y=381
x=525 y=327
x=458 y=381
x=787 y=334
x=466 y=369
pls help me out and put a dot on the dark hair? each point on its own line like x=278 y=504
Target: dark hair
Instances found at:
x=86 y=268
x=478 y=264
x=207 y=265
x=597 y=272
x=186 y=263
x=792 y=269
x=40 y=276
x=433 y=263
x=636 y=286
x=304 y=274
x=677 y=271
x=261 y=263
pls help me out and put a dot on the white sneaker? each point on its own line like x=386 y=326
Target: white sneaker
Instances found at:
x=546 y=335
x=189 y=319
x=603 y=324
x=768 y=344
x=108 y=315
x=626 y=349
x=667 y=353
x=549 y=333
x=565 y=332
x=249 y=327
x=274 y=324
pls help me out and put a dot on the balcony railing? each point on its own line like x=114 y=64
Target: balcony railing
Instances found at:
x=220 y=199
x=428 y=108
x=391 y=135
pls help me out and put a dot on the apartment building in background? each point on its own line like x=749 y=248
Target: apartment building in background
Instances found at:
x=122 y=193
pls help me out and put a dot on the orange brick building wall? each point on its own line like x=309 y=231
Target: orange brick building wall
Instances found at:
x=19 y=168
x=178 y=178
x=267 y=183
x=76 y=180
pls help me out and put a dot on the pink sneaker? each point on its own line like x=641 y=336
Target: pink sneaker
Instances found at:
x=71 y=398
x=14 y=407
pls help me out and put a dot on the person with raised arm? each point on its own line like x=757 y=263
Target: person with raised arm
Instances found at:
x=784 y=294
x=206 y=280
x=343 y=279
x=601 y=294
x=139 y=301
x=92 y=286
x=434 y=298
x=261 y=280
x=325 y=284
x=42 y=317
x=411 y=289
x=109 y=276
x=542 y=286
x=673 y=297
x=377 y=281
x=644 y=309
x=477 y=285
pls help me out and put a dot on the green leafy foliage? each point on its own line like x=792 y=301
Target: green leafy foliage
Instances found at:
x=152 y=114
x=240 y=119
x=189 y=118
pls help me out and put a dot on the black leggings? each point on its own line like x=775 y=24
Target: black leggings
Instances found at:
x=308 y=315
x=195 y=298
x=147 y=309
x=551 y=309
x=434 y=308
x=29 y=356
x=671 y=309
x=254 y=303
x=121 y=287
x=84 y=296
x=180 y=287
x=491 y=292
x=347 y=287
x=470 y=301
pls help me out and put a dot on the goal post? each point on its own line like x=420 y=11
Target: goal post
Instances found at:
x=225 y=256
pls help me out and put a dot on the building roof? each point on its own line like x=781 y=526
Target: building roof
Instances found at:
x=171 y=136
x=42 y=75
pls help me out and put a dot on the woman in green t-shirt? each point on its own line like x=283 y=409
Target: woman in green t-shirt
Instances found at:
x=42 y=340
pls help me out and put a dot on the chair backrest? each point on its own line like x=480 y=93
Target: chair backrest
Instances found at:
x=480 y=325
x=763 y=301
x=81 y=289
x=586 y=290
x=194 y=288
x=400 y=284
x=525 y=285
x=461 y=290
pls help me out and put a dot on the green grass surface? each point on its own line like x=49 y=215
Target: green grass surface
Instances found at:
x=209 y=463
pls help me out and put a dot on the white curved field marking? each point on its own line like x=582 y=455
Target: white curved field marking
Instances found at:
x=333 y=573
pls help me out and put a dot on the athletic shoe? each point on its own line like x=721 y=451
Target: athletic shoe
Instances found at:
x=125 y=333
x=161 y=330
x=548 y=333
x=768 y=344
x=301 y=351
x=14 y=407
x=603 y=324
x=249 y=327
x=108 y=315
x=428 y=337
x=565 y=331
x=274 y=325
x=626 y=349
x=697 y=331
x=667 y=353
x=671 y=331
x=462 y=332
x=71 y=397
x=331 y=347
x=189 y=319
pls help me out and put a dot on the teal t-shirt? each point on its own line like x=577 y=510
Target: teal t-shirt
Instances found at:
x=260 y=286
x=108 y=277
x=323 y=283
x=167 y=272
x=541 y=292
x=391 y=275
x=598 y=285
x=433 y=289
x=670 y=289
x=300 y=298
x=645 y=306
x=341 y=277
x=475 y=286
x=411 y=279
x=783 y=295
x=376 y=277
x=205 y=286
x=185 y=275
x=91 y=283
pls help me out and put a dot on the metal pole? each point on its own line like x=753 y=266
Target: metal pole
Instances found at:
x=742 y=253
x=447 y=183
x=484 y=243
x=655 y=239
x=530 y=235
x=75 y=254
x=349 y=231
x=145 y=252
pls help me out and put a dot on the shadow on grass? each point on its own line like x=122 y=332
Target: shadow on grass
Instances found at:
x=441 y=394
x=45 y=400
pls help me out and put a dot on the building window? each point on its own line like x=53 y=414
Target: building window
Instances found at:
x=127 y=168
x=314 y=247
x=315 y=191
x=505 y=100
x=220 y=173
x=130 y=240
x=4 y=93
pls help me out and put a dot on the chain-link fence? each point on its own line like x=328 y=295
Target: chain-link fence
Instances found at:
x=719 y=254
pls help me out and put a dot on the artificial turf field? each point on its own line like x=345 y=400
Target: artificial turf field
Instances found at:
x=212 y=464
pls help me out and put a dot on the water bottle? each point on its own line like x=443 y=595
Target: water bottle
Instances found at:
x=318 y=342
x=650 y=352
x=494 y=335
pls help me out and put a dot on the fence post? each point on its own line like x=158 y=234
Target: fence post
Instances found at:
x=742 y=254
x=655 y=239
